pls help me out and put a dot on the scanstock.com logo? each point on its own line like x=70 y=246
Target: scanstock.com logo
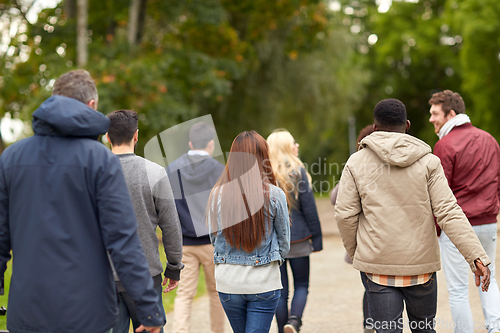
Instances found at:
x=190 y=184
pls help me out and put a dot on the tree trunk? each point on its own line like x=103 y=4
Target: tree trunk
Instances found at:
x=142 y=19
x=133 y=22
x=81 y=33
x=70 y=9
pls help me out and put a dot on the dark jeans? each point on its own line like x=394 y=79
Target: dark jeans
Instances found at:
x=365 y=310
x=300 y=272
x=250 y=313
x=127 y=311
x=385 y=305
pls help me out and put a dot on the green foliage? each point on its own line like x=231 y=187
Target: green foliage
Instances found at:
x=477 y=22
x=251 y=64
x=409 y=60
x=258 y=64
x=427 y=47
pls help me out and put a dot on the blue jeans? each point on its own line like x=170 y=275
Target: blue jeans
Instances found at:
x=457 y=272
x=300 y=272
x=385 y=305
x=250 y=313
x=127 y=311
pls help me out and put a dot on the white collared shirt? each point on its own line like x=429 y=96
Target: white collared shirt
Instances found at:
x=198 y=152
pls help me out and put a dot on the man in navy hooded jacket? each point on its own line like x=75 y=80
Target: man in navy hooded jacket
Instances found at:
x=64 y=206
x=193 y=176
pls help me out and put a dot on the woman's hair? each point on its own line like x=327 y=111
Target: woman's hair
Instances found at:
x=243 y=190
x=364 y=133
x=286 y=165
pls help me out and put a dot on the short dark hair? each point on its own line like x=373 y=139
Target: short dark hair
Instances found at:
x=449 y=100
x=201 y=134
x=123 y=125
x=390 y=113
x=77 y=84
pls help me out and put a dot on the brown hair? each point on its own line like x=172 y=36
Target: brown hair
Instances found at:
x=449 y=100
x=239 y=192
x=77 y=84
x=364 y=133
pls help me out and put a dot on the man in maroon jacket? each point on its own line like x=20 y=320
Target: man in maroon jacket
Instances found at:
x=471 y=162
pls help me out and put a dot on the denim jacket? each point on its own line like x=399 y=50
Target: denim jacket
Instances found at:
x=275 y=246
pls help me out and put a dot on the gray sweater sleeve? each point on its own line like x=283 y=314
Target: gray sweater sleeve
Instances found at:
x=168 y=221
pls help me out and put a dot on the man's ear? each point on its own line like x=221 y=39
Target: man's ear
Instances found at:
x=136 y=136
x=408 y=125
x=107 y=137
x=210 y=147
x=375 y=128
x=93 y=104
x=191 y=145
x=451 y=114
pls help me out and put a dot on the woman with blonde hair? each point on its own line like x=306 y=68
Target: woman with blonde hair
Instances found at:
x=250 y=229
x=295 y=181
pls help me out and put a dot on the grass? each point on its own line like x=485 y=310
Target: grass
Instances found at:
x=4 y=298
x=168 y=299
x=321 y=195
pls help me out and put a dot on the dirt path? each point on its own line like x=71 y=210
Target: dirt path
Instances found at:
x=335 y=293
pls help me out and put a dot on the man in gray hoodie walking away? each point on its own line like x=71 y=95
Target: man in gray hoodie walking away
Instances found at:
x=154 y=207
x=388 y=194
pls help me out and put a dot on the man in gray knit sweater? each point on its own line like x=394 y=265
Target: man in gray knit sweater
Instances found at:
x=154 y=207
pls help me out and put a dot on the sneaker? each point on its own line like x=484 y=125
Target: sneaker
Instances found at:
x=293 y=325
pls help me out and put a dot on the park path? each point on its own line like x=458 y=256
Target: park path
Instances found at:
x=335 y=292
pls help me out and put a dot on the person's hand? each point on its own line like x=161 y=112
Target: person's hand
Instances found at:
x=151 y=329
x=171 y=285
x=483 y=271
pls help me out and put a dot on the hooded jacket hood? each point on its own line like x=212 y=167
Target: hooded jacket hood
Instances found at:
x=65 y=116
x=396 y=149
x=196 y=169
x=192 y=178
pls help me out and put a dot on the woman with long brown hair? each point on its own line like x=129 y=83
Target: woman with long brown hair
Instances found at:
x=250 y=230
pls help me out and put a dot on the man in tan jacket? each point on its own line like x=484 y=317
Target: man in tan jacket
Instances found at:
x=388 y=194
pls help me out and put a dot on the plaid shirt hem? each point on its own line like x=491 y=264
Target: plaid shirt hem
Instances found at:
x=399 y=281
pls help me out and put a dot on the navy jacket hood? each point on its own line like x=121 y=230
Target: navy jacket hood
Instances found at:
x=197 y=168
x=65 y=116
x=191 y=175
